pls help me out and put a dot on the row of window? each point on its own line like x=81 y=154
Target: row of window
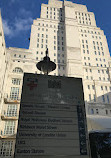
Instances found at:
x=50 y=25
x=41 y=46
x=101 y=65
x=102 y=87
x=42 y=40
x=59 y=55
x=105 y=88
x=100 y=78
x=97 y=43
x=42 y=35
x=58 y=31
x=99 y=71
x=105 y=99
x=58 y=48
x=96 y=111
x=83 y=14
x=19 y=56
x=88 y=31
x=99 y=53
x=96 y=37
x=99 y=59
x=95 y=52
x=54 y=9
x=19 y=61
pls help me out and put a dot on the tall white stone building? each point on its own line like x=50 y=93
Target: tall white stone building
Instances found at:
x=76 y=45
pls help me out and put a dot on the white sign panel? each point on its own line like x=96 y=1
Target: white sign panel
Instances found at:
x=52 y=120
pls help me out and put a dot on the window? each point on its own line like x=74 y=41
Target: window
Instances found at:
x=24 y=56
x=92 y=111
x=9 y=128
x=106 y=112
x=94 y=98
x=62 y=48
x=103 y=98
x=93 y=87
x=6 y=148
x=18 y=70
x=101 y=87
x=14 y=93
x=97 y=111
x=88 y=86
x=89 y=97
x=41 y=45
x=108 y=99
x=106 y=88
x=14 y=55
x=37 y=45
x=11 y=110
x=54 y=47
x=16 y=81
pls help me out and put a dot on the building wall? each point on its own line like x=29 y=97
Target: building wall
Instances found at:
x=79 y=49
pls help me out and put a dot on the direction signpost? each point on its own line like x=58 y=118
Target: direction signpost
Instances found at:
x=52 y=118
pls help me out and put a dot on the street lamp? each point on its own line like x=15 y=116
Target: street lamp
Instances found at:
x=46 y=66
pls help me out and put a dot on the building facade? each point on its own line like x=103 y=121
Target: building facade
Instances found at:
x=76 y=45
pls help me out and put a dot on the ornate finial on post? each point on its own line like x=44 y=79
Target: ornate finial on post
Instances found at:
x=46 y=65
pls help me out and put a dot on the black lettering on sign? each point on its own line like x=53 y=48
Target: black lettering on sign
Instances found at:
x=54 y=84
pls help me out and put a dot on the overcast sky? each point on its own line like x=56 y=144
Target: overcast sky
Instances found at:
x=18 y=16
